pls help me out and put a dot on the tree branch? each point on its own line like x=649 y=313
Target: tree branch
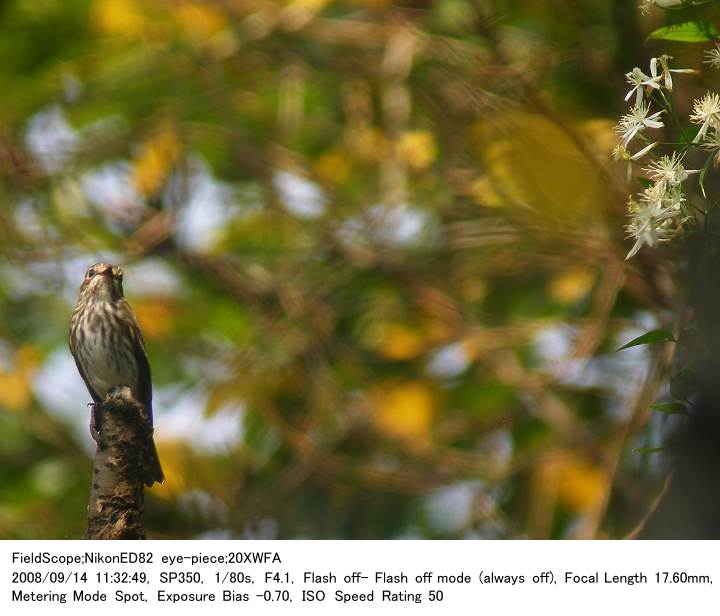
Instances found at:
x=116 y=496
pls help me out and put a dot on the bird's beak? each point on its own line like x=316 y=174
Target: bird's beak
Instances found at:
x=106 y=271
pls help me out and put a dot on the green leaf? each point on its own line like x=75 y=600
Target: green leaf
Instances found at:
x=687 y=32
x=672 y=408
x=651 y=337
x=648 y=449
x=688 y=134
x=644 y=182
x=701 y=179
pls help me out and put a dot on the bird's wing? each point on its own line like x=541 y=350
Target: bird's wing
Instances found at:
x=144 y=378
x=143 y=365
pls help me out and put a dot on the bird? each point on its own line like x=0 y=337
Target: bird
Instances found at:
x=109 y=351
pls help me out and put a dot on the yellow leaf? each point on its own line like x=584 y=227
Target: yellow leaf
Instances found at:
x=484 y=193
x=570 y=286
x=580 y=484
x=417 y=148
x=156 y=317
x=333 y=166
x=118 y=17
x=155 y=161
x=400 y=342
x=533 y=162
x=601 y=135
x=298 y=13
x=15 y=388
x=405 y=411
x=27 y=358
x=200 y=21
x=309 y=5
x=15 y=392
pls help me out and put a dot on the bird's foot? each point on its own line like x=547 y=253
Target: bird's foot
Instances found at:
x=94 y=422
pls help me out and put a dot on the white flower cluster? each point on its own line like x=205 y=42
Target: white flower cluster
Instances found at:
x=658 y=213
x=712 y=57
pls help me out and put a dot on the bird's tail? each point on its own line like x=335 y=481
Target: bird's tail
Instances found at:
x=152 y=471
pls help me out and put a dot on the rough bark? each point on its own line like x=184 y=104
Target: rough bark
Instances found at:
x=116 y=497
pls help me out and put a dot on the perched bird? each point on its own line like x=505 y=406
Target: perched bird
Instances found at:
x=109 y=351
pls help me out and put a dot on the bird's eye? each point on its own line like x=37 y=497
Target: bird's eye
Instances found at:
x=90 y=273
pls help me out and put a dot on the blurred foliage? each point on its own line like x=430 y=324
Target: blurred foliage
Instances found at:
x=375 y=247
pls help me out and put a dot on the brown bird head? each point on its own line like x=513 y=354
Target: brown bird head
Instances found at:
x=102 y=282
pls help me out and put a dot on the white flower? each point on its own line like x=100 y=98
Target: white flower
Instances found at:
x=620 y=152
x=640 y=81
x=712 y=57
x=669 y=171
x=674 y=199
x=664 y=201
x=651 y=223
x=648 y=4
x=641 y=227
x=666 y=70
x=712 y=143
x=654 y=195
x=706 y=111
x=637 y=119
